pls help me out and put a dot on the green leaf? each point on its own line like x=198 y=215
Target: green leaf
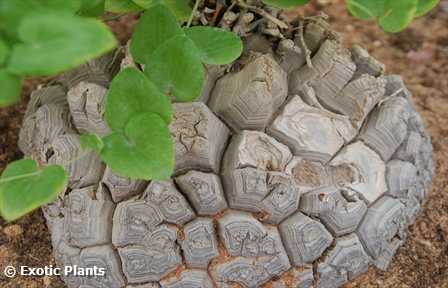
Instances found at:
x=11 y=86
x=24 y=187
x=91 y=141
x=4 y=51
x=13 y=11
x=132 y=93
x=424 y=6
x=176 y=68
x=366 y=9
x=398 y=15
x=144 y=151
x=156 y=26
x=54 y=42
x=121 y=6
x=216 y=46
x=285 y=3
x=180 y=8
x=92 y=8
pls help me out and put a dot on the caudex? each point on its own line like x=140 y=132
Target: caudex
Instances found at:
x=260 y=148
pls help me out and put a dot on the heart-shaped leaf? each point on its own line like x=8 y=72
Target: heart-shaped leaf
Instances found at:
x=91 y=141
x=180 y=8
x=157 y=25
x=132 y=93
x=54 y=42
x=121 y=6
x=11 y=86
x=398 y=15
x=216 y=46
x=143 y=151
x=176 y=68
x=24 y=187
x=285 y=3
x=424 y=6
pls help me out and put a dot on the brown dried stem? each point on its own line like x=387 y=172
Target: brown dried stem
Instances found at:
x=262 y=13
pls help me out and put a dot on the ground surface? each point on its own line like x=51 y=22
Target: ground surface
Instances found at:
x=420 y=55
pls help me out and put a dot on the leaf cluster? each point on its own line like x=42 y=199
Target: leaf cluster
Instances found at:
x=46 y=37
x=392 y=15
x=138 y=106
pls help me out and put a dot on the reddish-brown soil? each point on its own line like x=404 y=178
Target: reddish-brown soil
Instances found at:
x=419 y=54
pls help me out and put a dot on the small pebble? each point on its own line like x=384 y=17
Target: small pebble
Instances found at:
x=377 y=43
x=13 y=231
x=444 y=6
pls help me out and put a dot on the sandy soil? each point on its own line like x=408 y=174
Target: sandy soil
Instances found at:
x=419 y=54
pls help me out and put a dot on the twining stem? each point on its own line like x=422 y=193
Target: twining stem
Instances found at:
x=112 y=17
x=195 y=9
x=262 y=13
x=76 y=158
x=309 y=63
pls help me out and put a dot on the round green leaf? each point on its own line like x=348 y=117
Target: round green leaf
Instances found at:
x=180 y=8
x=91 y=141
x=132 y=93
x=121 y=6
x=92 y=8
x=424 y=6
x=366 y=9
x=216 y=46
x=54 y=42
x=176 y=68
x=24 y=187
x=398 y=15
x=285 y=3
x=156 y=26
x=11 y=86
x=144 y=151
x=13 y=11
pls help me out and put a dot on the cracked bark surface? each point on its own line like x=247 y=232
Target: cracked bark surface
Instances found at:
x=286 y=175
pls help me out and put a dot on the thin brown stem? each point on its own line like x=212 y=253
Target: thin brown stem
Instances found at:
x=262 y=13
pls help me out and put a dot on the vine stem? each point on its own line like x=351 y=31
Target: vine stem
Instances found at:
x=309 y=63
x=195 y=9
x=77 y=157
x=112 y=17
x=263 y=13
